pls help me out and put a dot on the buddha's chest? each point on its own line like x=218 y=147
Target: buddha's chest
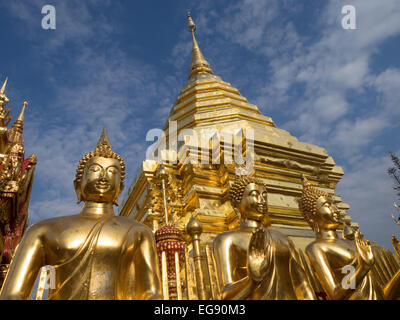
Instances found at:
x=341 y=254
x=89 y=259
x=102 y=244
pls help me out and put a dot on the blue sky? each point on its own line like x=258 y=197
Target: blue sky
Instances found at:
x=122 y=65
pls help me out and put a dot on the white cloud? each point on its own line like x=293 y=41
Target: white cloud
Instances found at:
x=46 y=209
x=334 y=68
x=350 y=135
x=102 y=88
x=74 y=22
x=387 y=84
x=352 y=74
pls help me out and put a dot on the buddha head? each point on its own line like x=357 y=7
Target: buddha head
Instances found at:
x=249 y=196
x=318 y=208
x=100 y=174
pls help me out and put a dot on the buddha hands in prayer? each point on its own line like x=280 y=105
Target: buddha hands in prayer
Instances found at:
x=365 y=256
x=260 y=254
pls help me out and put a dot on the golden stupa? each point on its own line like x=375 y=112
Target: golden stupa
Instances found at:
x=210 y=126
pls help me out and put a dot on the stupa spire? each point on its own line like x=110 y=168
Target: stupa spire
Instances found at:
x=22 y=113
x=3 y=88
x=199 y=63
x=3 y=99
x=19 y=123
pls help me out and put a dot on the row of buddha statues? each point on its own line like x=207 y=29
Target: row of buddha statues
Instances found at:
x=99 y=255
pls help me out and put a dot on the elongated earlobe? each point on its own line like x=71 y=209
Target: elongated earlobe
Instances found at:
x=77 y=187
x=115 y=200
x=238 y=213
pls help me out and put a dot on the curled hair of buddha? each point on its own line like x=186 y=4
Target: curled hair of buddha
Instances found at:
x=239 y=184
x=308 y=202
x=103 y=149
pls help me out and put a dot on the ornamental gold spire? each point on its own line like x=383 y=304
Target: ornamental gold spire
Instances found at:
x=4 y=86
x=22 y=113
x=15 y=133
x=199 y=63
x=19 y=123
x=3 y=99
x=104 y=141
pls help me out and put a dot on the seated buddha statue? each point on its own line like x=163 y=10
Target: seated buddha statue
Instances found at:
x=95 y=254
x=330 y=256
x=255 y=262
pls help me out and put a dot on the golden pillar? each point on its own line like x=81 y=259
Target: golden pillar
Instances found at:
x=194 y=229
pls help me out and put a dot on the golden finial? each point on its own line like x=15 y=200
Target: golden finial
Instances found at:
x=103 y=141
x=194 y=227
x=199 y=64
x=4 y=86
x=18 y=125
x=22 y=113
x=3 y=99
x=190 y=24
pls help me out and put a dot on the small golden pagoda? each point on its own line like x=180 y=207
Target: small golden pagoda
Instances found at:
x=209 y=126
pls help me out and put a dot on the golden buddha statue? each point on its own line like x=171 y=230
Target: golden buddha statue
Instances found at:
x=332 y=257
x=392 y=288
x=95 y=254
x=255 y=262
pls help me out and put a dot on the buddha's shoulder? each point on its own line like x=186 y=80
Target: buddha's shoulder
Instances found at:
x=315 y=248
x=329 y=245
x=54 y=221
x=131 y=224
x=52 y=224
x=78 y=221
x=278 y=236
x=230 y=237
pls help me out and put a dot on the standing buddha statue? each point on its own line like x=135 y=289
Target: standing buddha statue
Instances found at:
x=329 y=254
x=95 y=254
x=255 y=262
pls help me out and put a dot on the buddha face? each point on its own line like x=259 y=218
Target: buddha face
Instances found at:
x=327 y=213
x=101 y=180
x=254 y=203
